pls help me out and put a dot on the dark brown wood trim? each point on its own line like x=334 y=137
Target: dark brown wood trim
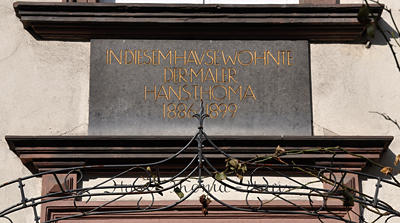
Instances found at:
x=318 y=2
x=315 y=2
x=85 y=21
x=192 y=210
x=42 y=153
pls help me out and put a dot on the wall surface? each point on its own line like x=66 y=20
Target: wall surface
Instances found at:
x=44 y=90
x=348 y=82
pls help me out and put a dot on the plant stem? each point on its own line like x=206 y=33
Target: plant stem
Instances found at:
x=383 y=34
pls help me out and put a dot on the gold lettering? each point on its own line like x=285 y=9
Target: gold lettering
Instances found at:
x=207 y=92
x=126 y=56
x=187 y=92
x=251 y=55
x=165 y=74
x=144 y=53
x=202 y=57
x=195 y=74
x=177 y=95
x=216 y=76
x=233 y=61
x=176 y=75
x=195 y=91
x=181 y=75
x=283 y=57
x=212 y=76
x=194 y=58
x=107 y=57
x=116 y=58
x=135 y=57
x=250 y=95
x=268 y=53
x=231 y=76
x=138 y=57
x=162 y=95
x=212 y=59
x=215 y=57
x=165 y=57
x=231 y=89
x=154 y=57
x=212 y=92
x=289 y=57
x=146 y=91
x=264 y=57
x=183 y=57
x=224 y=75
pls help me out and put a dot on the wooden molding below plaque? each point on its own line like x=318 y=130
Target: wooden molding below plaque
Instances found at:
x=190 y=211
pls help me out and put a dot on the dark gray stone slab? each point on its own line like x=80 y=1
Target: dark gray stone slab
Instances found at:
x=148 y=87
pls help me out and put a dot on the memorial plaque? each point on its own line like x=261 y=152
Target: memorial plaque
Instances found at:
x=153 y=87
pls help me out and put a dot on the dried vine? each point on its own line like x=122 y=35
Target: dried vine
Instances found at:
x=147 y=182
x=364 y=18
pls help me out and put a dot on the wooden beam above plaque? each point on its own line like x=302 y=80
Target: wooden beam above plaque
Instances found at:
x=85 y=21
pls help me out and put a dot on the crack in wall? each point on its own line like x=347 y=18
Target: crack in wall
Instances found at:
x=73 y=129
x=326 y=131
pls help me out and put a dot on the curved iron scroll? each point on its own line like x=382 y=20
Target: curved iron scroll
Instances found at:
x=150 y=184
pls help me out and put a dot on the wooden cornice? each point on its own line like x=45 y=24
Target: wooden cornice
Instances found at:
x=42 y=153
x=85 y=21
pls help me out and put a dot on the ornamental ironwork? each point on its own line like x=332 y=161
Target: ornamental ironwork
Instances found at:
x=249 y=180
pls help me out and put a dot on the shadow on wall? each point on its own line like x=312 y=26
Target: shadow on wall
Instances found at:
x=379 y=39
x=369 y=185
x=387 y=159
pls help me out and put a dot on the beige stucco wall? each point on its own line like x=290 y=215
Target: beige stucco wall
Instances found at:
x=349 y=81
x=44 y=90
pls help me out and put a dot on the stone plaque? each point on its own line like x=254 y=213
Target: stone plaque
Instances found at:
x=153 y=87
